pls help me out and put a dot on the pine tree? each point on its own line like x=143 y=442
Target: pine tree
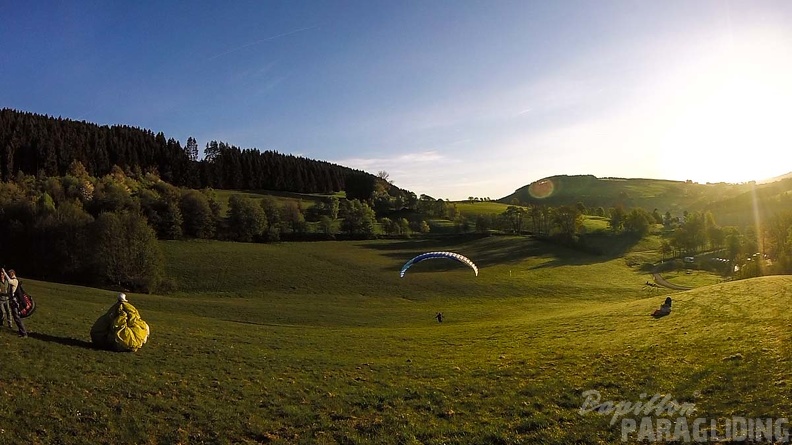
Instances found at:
x=191 y=149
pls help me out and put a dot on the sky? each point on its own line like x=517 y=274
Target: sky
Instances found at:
x=452 y=98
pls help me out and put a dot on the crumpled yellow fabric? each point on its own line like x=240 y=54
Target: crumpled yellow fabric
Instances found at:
x=120 y=329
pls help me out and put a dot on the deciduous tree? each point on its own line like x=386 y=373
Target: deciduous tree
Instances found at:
x=246 y=219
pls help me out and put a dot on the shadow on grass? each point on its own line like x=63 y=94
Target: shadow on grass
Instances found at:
x=423 y=243
x=484 y=251
x=592 y=249
x=62 y=340
x=494 y=250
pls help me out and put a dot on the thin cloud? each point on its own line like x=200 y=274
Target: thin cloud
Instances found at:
x=426 y=156
x=260 y=41
x=394 y=161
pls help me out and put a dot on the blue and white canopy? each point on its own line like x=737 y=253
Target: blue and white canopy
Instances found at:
x=433 y=255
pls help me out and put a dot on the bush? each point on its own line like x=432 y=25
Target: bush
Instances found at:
x=168 y=285
x=126 y=253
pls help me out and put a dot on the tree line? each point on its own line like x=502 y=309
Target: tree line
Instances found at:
x=46 y=146
x=763 y=247
x=760 y=248
x=104 y=230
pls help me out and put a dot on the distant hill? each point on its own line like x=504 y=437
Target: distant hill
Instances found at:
x=732 y=204
x=775 y=178
x=674 y=196
x=758 y=201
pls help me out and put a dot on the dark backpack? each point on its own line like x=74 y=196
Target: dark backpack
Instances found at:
x=26 y=304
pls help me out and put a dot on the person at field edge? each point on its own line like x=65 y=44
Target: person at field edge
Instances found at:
x=439 y=317
x=13 y=284
x=5 y=303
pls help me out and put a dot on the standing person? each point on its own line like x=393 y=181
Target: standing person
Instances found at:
x=5 y=303
x=13 y=284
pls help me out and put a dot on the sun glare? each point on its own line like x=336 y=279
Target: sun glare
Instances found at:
x=731 y=122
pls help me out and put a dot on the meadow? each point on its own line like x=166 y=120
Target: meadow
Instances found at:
x=323 y=343
x=305 y=200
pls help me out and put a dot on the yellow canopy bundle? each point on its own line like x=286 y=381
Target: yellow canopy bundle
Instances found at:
x=120 y=328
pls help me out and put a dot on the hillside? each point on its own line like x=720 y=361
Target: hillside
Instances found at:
x=775 y=178
x=731 y=204
x=42 y=145
x=759 y=201
x=323 y=343
x=675 y=196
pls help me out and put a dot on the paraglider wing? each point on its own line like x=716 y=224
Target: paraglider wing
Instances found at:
x=433 y=255
x=120 y=328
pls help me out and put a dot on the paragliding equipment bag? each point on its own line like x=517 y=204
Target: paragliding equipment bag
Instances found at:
x=26 y=304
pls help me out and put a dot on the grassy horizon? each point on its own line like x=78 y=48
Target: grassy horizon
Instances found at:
x=324 y=343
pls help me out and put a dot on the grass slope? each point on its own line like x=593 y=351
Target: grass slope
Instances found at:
x=323 y=343
x=306 y=200
x=473 y=209
x=731 y=204
x=664 y=195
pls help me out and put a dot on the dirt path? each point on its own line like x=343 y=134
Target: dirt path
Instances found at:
x=663 y=282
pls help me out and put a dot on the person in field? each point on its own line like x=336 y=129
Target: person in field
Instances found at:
x=13 y=285
x=5 y=302
x=664 y=310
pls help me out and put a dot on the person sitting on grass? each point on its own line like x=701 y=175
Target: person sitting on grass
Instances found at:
x=664 y=310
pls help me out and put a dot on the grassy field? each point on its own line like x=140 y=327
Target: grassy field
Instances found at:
x=324 y=343
x=305 y=199
x=471 y=210
x=692 y=278
x=595 y=224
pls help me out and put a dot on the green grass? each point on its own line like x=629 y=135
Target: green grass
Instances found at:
x=471 y=210
x=693 y=278
x=306 y=199
x=595 y=224
x=324 y=343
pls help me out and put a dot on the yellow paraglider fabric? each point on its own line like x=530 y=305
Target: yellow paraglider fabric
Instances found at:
x=120 y=329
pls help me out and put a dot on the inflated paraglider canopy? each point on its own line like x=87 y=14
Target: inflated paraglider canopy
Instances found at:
x=120 y=328
x=434 y=255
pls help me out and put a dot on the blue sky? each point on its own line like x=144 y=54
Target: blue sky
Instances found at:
x=452 y=98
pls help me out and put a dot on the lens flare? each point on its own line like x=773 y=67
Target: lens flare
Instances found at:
x=541 y=189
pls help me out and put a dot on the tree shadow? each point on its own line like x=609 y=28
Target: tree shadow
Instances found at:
x=591 y=249
x=488 y=251
x=435 y=242
x=491 y=251
x=62 y=340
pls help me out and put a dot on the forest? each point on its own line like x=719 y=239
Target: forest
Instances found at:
x=41 y=145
